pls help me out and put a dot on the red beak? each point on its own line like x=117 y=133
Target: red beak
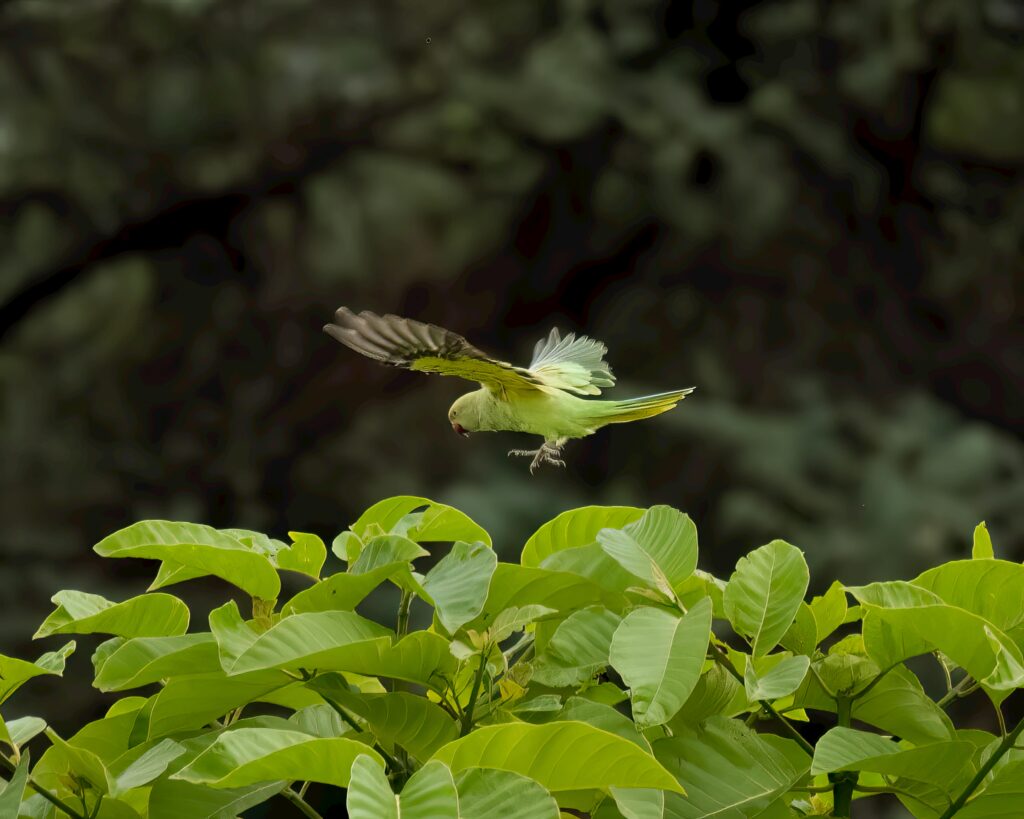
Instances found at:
x=460 y=429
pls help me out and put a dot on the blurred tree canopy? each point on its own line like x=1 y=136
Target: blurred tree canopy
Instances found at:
x=810 y=209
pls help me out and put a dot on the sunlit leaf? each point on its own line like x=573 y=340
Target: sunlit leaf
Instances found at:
x=199 y=548
x=559 y=755
x=578 y=649
x=660 y=548
x=145 y=660
x=437 y=522
x=829 y=610
x=577 y=527
x=982 y=547
x=782 y=679
x=342 y=591
x=459 y=582
x=660 y=656
x=14 y=672
x=765 y=592
x=306 y=554
x=486 y=793
x=148 y=615
x=246 y=756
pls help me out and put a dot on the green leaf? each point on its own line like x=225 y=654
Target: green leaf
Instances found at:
x=561 y=756
x=145 y=767
x=19 y=731
x=982 y=548
x=578 y=649
x=847 y=749
x=513 y=585
x=306 y=555
x=415 y=723
x=829 y=610
x=421 y=657
x=486 y=793
x=639 y=803
x=577 y=527
x=430 y=794
x=516 y=619
x=320 y=721
x=198 y=548
x=781 y=680
x=83 y=763
x=728 y=770
x=14 y=791
x=593 y=563
x=342 y=591
x=459 y=582
x=148 y=615
x=14 y=672
x=659 y=548
x=1001 y=798
x=174 y=799
x=192 y=701
x=369 y=793
x=245 y=756
x=660 y=656
x=385 y=550
x=985 y=587
x=437 y=522
x=765 y=592
x=145 y=660
x=716 y=693
x=318 y=639
x=802 y=636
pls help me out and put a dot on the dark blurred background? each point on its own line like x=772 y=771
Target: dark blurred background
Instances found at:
x=810 y=209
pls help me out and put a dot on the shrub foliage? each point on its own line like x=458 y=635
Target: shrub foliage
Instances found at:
x=603 y=675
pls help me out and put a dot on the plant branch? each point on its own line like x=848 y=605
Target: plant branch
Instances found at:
x=467 y=715
x=350 y=720
x=726 y=663
x=843 y=784
x=979 y=777
x=53 y=799
x=304 y=807
x=961 y=689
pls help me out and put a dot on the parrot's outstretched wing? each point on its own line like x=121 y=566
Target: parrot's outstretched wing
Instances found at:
x=401 y=342
x=571 y=363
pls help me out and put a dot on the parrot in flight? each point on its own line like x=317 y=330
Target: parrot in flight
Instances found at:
x=542 y=399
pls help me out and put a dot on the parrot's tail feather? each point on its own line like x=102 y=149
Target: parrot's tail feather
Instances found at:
x=647 y=406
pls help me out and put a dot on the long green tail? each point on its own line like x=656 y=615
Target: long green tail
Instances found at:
x=647 y=406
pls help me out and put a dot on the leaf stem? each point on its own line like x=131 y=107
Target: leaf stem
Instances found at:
x=53 y=799
x=467 y=715
x=958 y=690
x=304 y=807
x=726 y=663
x=348 y=718
x=402 y=622
x=979 y=777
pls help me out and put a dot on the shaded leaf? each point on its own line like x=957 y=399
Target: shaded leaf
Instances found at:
x=342 y=591
x=487 y=793
x=148 y=615
x=578 y=649
x=659 y=548
x=144 y=660
x=174 y=799
x=577 y=527
x=14 y=672
x=459 y=582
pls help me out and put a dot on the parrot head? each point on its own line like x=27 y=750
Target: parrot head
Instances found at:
x=464 y=415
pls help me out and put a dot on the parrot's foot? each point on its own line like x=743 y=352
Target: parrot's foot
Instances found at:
x=545 y=454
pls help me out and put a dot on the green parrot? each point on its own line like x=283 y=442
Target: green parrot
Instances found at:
x=542 y=399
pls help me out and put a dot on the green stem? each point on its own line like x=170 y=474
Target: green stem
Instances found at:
x=843 y=783
x=873 y=683
x=958 y=690
x=346 y=717
x=979 y=777
x=304 y=807
x=723 y=659
x=49 y=797
x=402 y=624
x=467 y=715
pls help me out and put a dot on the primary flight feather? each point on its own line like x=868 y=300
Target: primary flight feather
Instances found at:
x=542 y=399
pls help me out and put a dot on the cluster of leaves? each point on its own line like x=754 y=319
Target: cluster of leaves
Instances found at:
x=586 y=680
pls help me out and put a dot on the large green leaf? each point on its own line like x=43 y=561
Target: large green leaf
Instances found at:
x=384 y=550
x=593 y=563
x=988 y=588
x=765 y=592
x=421 y=657
x=513 y=585
x=198 y=548
x=148 y=615
x=660 y=656
x=306 y=554
x=578 y=649
x=437 y=522
x=486 y=793
x=318 y=639
x=245 y=756
x=13 y=791
x=459 y=582
x=728 y=770
x=660 y=548
x=174 y=799
x=561 y=756
x=829 y=610
x=415 y=723
x=637 y=803
x=716 y=693
x=577 y=527
x=783 y=678
x=369 y=794
x=144 y=660
x=342 y=591
x=14 y=672
x=19 y=731
x=847 y=749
